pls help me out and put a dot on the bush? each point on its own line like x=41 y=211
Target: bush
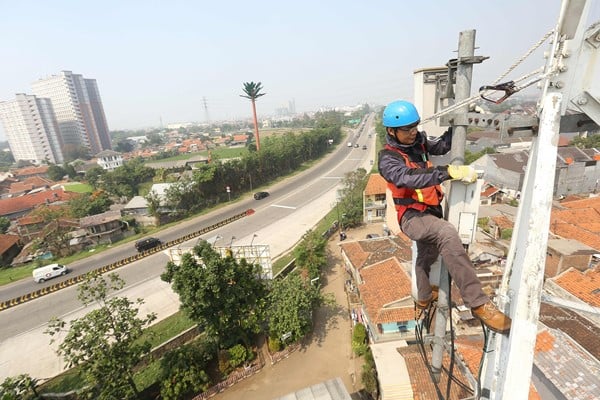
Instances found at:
x=274 y=344
x=238 y=354
x=369 y=375
x=182 y=372
x=506 y=234
x=359 y=340
x=225 y=363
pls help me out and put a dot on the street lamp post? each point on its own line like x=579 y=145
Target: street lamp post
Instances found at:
x=252 y=241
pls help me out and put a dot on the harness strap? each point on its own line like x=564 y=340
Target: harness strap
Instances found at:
x=403 y=201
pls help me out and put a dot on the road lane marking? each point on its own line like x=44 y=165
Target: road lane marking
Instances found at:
x=277 y=205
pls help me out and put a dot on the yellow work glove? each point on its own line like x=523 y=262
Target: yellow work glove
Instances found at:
x=464 y=173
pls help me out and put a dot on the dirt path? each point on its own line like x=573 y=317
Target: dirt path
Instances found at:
x=326 y=354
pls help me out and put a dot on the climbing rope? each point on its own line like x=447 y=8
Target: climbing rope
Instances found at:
x=509 y=88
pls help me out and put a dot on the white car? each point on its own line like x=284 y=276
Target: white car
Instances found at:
x=50 y=271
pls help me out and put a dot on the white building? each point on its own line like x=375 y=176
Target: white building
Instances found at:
x=109 y=159
x=78 y=109
x=31 y=129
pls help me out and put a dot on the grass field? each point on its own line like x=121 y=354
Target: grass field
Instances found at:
x=78 y=187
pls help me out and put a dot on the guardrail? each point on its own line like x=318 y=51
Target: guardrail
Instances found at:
x=106 y=268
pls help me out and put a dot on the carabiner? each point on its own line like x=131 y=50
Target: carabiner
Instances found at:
x=508 y=88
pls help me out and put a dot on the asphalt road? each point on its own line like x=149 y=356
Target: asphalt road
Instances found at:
x=295 y=205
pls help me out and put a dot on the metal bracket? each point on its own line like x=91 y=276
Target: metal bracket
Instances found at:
x=588 y=104
x=504 y=124
x=593 y=37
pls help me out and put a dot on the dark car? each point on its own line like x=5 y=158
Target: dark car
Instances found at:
x=364 y=147
x=372 y=235
x=147 y=244
x=260 y=195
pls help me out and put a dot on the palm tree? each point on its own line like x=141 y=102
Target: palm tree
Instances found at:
x=252 y=92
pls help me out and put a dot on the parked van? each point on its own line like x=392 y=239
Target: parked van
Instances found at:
x=50 y=271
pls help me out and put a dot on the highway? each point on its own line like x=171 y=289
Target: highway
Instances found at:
x=294 y=206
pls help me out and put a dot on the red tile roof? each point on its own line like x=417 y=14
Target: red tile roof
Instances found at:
x=367 y=252
x=7 y=241
x=375 y=185
x=489 y=191
x=470 y=348
x=33 y=182
x=583 y=285
x=384 y=284
x=27 y=171
x=579 y=220
x=503 y=222
x=29 y=201
x=420 y=379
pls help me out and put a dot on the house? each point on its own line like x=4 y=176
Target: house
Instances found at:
x=10 y=246
x=384 y=286
x=498 y=225
x=109 y=159
x=15 y=207
x=28 y=172
x=577 y=170
x=563 y=254
x=578 y=219
x=104 y=228
x=490 y=194
x=387 y=305
x=374 y=199
x=28 y=185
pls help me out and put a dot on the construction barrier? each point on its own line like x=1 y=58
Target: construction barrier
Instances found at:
x=106 y=268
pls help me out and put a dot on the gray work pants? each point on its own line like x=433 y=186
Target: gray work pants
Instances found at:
x=436 y=236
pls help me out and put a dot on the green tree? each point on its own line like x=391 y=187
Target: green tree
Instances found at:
x=311 y=253
x=359 y=339
x=56 y=232
x=350 y=203
x=6 y=158
x=19 y=388
x=105 y=342
x=56 y=172
x=94 y=176
x=4 y=224
x=252 y=92
x=90 y=204
x=123 y=146
x=125 y=180
x=224 y=296
x=291 y=302
x=182 y=372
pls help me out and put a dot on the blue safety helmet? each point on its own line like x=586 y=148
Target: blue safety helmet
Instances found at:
x=400 y=113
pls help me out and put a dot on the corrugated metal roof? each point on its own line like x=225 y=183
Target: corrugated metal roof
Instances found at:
x=332 y=389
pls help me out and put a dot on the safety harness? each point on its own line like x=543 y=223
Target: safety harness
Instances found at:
x=417 y=199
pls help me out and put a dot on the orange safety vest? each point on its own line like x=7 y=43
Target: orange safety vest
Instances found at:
x=418 y=199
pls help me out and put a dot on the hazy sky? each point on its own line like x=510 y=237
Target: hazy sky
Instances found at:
x=160 y=59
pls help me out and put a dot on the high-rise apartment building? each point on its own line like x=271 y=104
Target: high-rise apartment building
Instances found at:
x=31 y=129
x=78 y=109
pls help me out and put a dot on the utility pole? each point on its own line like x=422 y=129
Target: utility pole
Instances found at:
x=464 y=74
x=508 y=364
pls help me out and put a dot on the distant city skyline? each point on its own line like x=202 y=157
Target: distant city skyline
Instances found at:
x=186 y=61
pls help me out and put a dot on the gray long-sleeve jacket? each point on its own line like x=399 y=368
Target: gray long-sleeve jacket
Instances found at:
x=394 y=169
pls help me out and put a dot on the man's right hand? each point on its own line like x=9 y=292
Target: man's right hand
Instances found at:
x=464 y=173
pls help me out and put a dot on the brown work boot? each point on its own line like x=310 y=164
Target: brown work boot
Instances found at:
x=492 y=318
x=423 y=304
